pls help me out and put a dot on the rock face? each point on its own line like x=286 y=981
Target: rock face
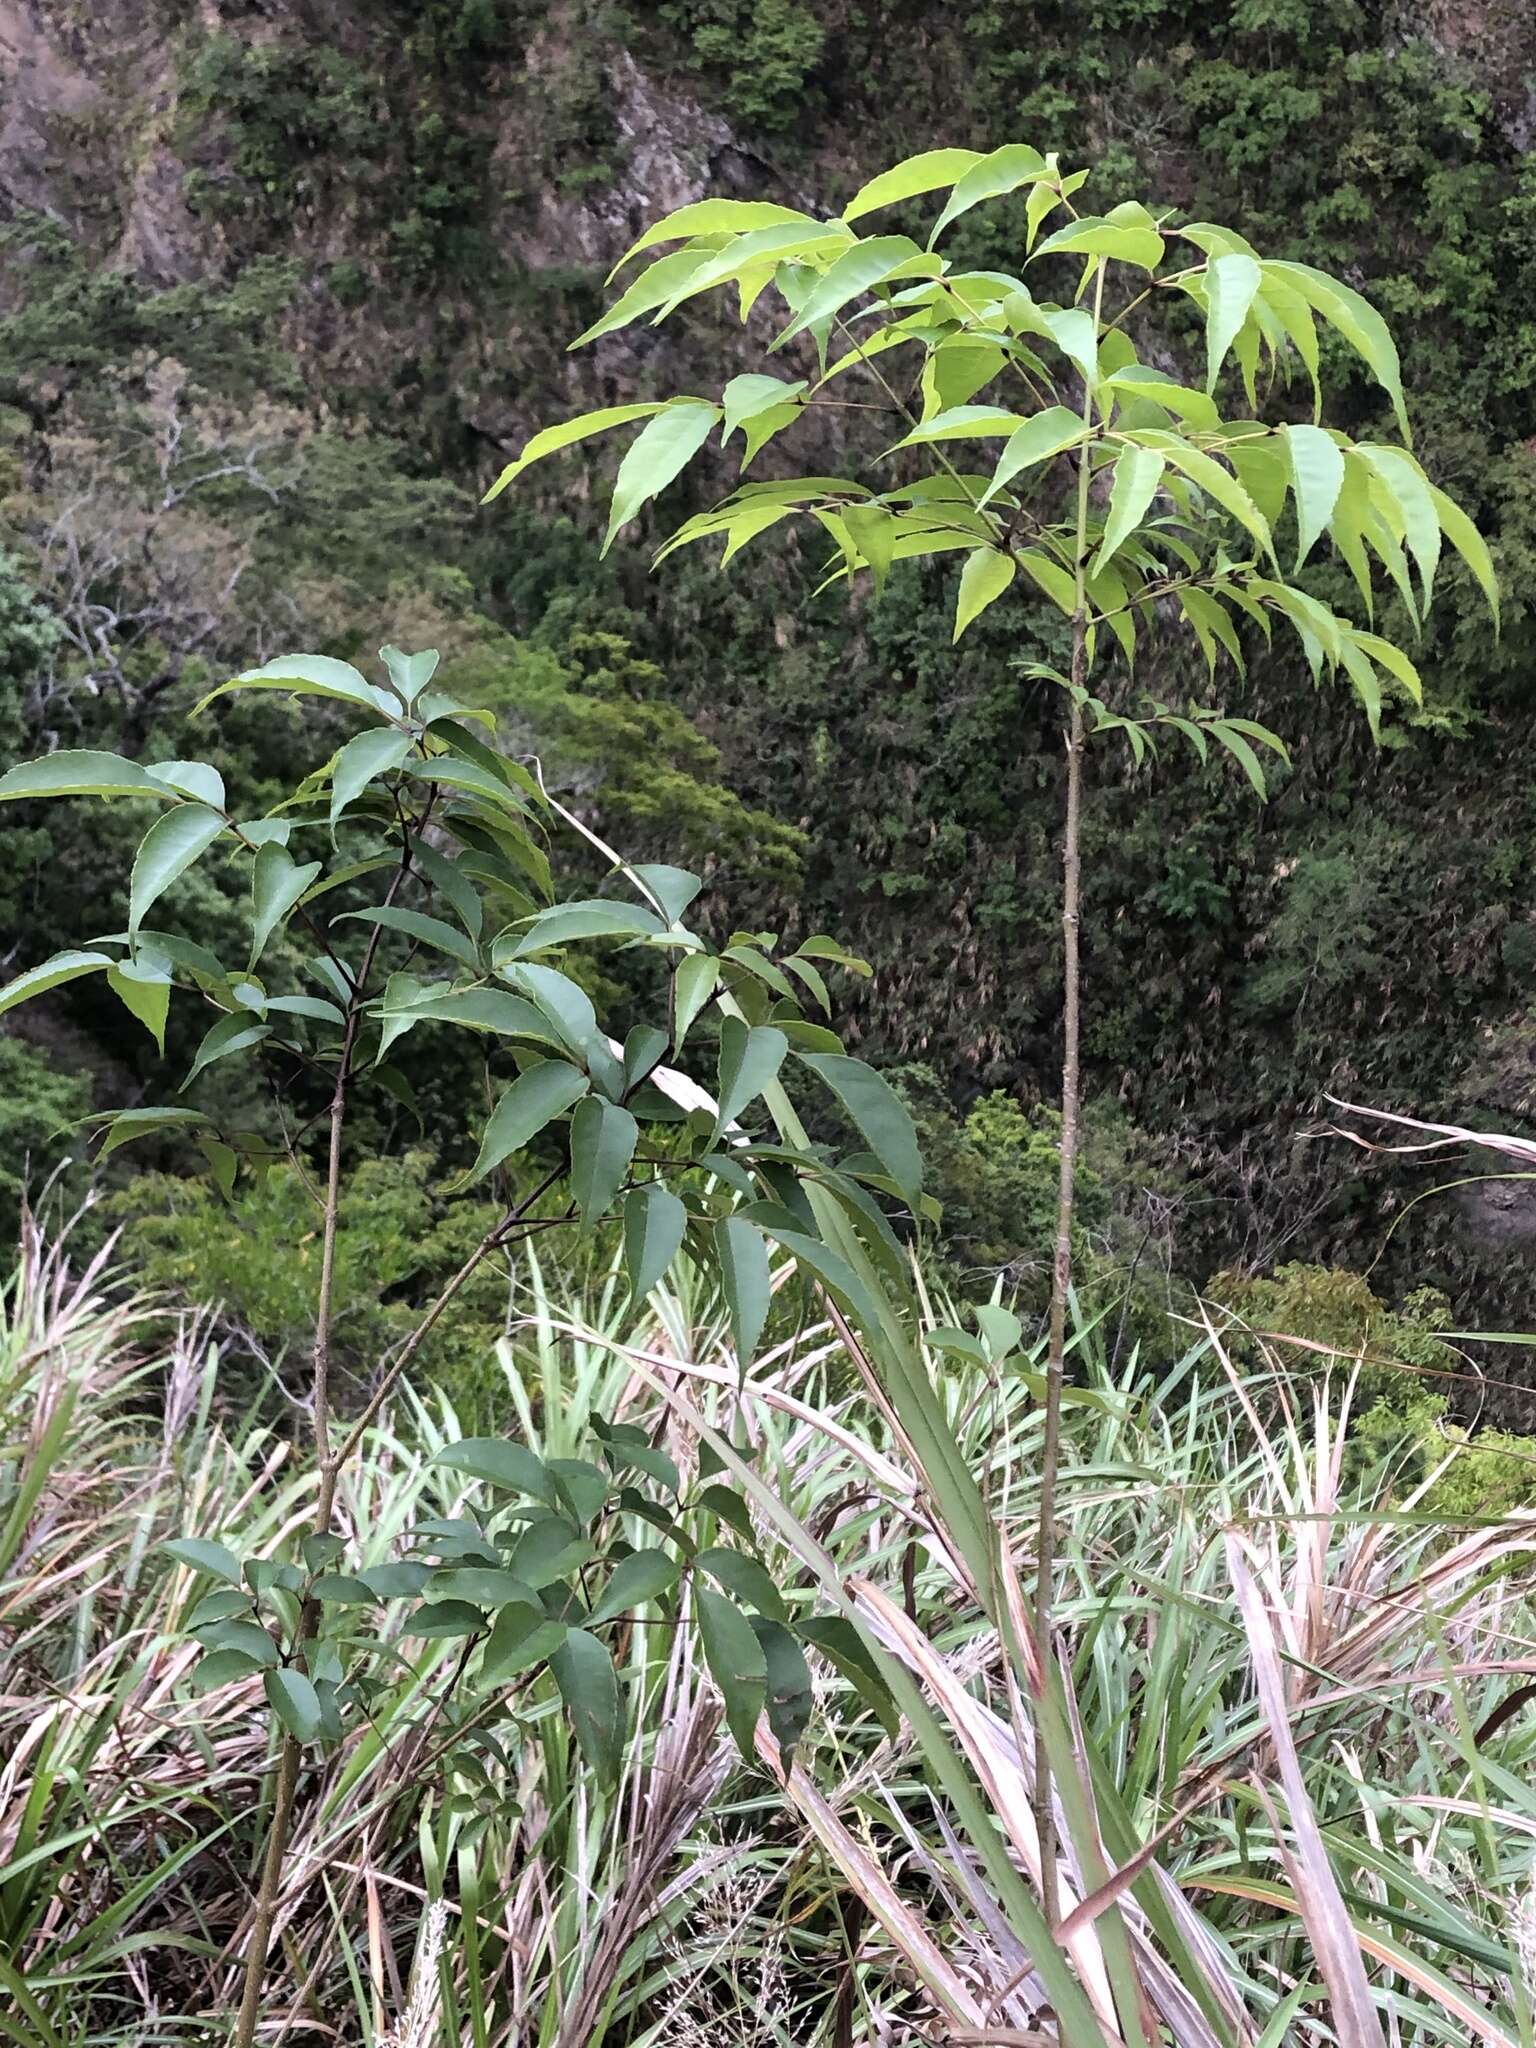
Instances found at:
x=336 y=248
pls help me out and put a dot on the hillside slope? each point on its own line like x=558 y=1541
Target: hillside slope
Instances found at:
x=288 y=282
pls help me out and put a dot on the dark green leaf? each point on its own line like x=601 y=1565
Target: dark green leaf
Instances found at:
x=603 y=1139
x=790 y=1694
x=654 y=1222
x=535 y=1099
x=361 y=760
x=444 y=1618
x=643 y=1575
x=296 y=1704
x=744 y=1578
x=79 y=772
x=482 y=1585
x=881 y=1116
x=202 y=1556
x=521 y=1637
x=61 y=968
x=504 y=1464
x=221 y=1667
x=750 y=1058
x=584 y=1672
x=744 y=1279
x=736 y=1663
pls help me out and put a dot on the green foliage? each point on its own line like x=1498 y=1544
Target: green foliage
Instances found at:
x=760 y=54
x=258 y=1258
x=1342 y=1319
x=995 y=1172
x=37 y=1100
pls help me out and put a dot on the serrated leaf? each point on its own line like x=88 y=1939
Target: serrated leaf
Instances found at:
x=712 y=217
x=410 y=673
x=237 y=1032
x=1356 y=320
x=991 y=177
x=858 y=270
x=986 y=574
x=1138 y=472
x=1049 y=433
x=538 y=1095
x=643 y=1576
x=1317 y=476
x=659 y=453
x=195 y=779
x=654 y=1222
x=928 y=172
x=145 y=992
x=310 y=675
x=170 y=846
x=370 y=754
x=552 y=439
x=966 y=423
x=1128 y=241
x=78 y=771
x=51 y=974
x=296 y=1704
x=736 y=1664
x=1217 y=483
x=277 y=885
x=873 y=531
x=1470 y=545
x=1232 y=283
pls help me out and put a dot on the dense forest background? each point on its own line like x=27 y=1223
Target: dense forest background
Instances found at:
x=286 y=284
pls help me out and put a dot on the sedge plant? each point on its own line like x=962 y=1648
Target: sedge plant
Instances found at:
x=1027 y=433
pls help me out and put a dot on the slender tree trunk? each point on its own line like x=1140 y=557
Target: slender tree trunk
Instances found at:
x=266 y=1898
x=1061 y=1272
x=309 y=1622
x=1061 y=1278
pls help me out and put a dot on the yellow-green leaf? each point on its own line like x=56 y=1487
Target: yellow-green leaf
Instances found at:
x=986 y=575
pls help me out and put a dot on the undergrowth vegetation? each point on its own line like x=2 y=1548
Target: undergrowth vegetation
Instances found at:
x=1298 y=1695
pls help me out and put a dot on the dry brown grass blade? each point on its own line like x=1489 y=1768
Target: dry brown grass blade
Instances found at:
x=1322 y=1907
x=1445 y=1135
x=987 y=1743
x=903 y=1927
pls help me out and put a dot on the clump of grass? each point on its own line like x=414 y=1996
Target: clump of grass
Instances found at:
x=1292 y=1750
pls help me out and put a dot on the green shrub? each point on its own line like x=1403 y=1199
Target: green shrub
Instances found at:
x=258 y=1257
x=36 y=1100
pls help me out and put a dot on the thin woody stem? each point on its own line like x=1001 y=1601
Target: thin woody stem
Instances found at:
x=1061 y=1276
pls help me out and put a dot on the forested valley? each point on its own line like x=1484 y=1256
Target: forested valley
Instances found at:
x=664 y=994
